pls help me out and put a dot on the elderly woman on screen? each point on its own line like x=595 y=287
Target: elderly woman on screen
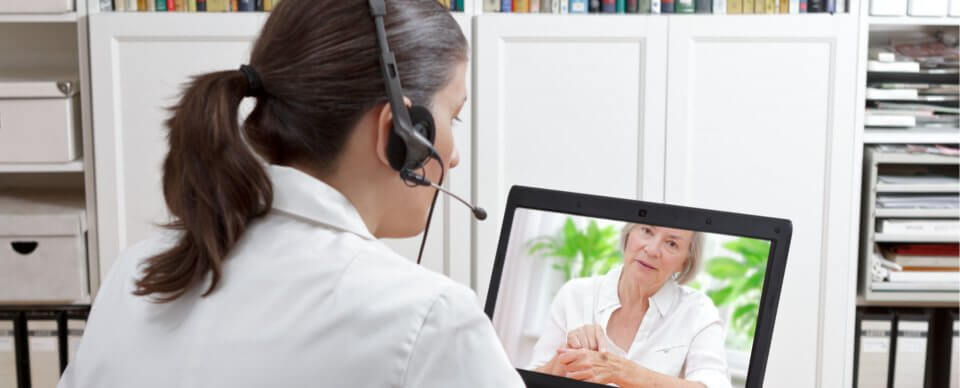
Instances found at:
x=637 y=326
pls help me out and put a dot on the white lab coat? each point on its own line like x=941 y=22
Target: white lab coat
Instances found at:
x=308 y=298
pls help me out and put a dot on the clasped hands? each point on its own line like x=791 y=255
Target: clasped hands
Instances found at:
x=585 y=358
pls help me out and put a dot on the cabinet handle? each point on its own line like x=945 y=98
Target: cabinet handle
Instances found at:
x=24 y=247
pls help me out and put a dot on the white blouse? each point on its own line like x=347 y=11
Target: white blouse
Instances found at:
x=680 y=335
x=308 y=298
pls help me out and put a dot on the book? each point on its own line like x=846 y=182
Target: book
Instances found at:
x=814 y=6
x=803 y=6
x=902 y=66
x=655 y=6
x=534 y=6
x=881 y=54
x=593 y=6
x=258 y=5
x=643 y=6
x=734 y=6
x=246 y=5
x=608 y=6
x=621 y=6
x=703 y=6
x=925 y=277
x=889 y=121
x=747 y=6
x=192 y=5
x=759 y=6
x=202 y=5
x=565 y=6
x=633 y=6
x=771 y=6
x=160 y=5
x=181 y=5
x=891 y=94
x=491 y=5
x=171 y=5
x=506 y=5
x=684 y=6
x=911 y=226
x=831 y=6
x=218 y=5
x=915 y=286
x=106 y=5
x=667 y=6
x=784 y=6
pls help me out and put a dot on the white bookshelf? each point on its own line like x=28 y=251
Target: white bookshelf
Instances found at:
x=55 y=47
x=878 y=293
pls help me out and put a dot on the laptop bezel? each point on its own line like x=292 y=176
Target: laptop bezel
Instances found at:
x=777 y=231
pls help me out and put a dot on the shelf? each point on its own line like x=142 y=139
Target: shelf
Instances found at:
x=919 y=99
x=38 y=18
x=917 y=213
x=913 y=158
x=913 y=21
x=916 y=238
x=918 y=188
x=910 y=299
x=911 y=136
x=69 y=167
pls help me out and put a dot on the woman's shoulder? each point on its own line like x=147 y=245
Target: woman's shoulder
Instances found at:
x=697 y=306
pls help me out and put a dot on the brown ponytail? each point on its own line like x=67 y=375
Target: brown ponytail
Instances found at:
x=319 y=72
x=213 y=185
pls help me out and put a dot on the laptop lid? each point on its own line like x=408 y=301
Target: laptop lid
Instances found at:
x=567 y=262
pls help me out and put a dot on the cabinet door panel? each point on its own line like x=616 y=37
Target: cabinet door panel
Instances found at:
x=569 y=103
x=760 y=120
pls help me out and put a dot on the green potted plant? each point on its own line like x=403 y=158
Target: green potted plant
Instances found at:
x=580 y=252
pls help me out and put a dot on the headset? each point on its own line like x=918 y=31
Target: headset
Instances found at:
x=410 y=143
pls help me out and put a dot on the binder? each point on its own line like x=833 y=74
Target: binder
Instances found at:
x=872 y=349
x=910 y=350
x=954 y=349
x=44 y=353
x=75 y=329
x=8 y=364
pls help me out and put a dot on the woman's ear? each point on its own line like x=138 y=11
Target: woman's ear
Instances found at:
x=384 y=129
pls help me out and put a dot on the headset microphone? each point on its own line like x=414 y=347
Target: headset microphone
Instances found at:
x=420 y=180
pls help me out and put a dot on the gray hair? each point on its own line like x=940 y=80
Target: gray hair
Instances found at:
x=690 y=267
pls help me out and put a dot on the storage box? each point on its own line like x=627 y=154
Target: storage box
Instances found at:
x=43 y=247
x=39 y=121
x=36 y=6
x=888 y=7
x=927 y=8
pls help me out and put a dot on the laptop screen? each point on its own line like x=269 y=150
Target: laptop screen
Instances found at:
x=675 y=302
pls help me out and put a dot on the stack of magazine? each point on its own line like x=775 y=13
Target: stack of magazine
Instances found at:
x=914 y=84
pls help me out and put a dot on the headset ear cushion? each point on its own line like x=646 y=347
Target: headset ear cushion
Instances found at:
x=422 y=120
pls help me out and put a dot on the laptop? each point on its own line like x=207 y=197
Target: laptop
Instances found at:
x=676 y=291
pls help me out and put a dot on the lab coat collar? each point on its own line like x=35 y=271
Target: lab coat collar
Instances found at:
x=662 y=300
x=302 y=195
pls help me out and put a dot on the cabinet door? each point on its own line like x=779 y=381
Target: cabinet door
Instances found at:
x=760 y=116
x=571 y=103
x=139 y=64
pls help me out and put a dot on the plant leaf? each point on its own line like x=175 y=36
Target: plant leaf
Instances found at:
x=720 y=296
x=725 y=268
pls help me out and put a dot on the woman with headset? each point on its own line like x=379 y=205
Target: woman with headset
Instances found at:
x=271 y=273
